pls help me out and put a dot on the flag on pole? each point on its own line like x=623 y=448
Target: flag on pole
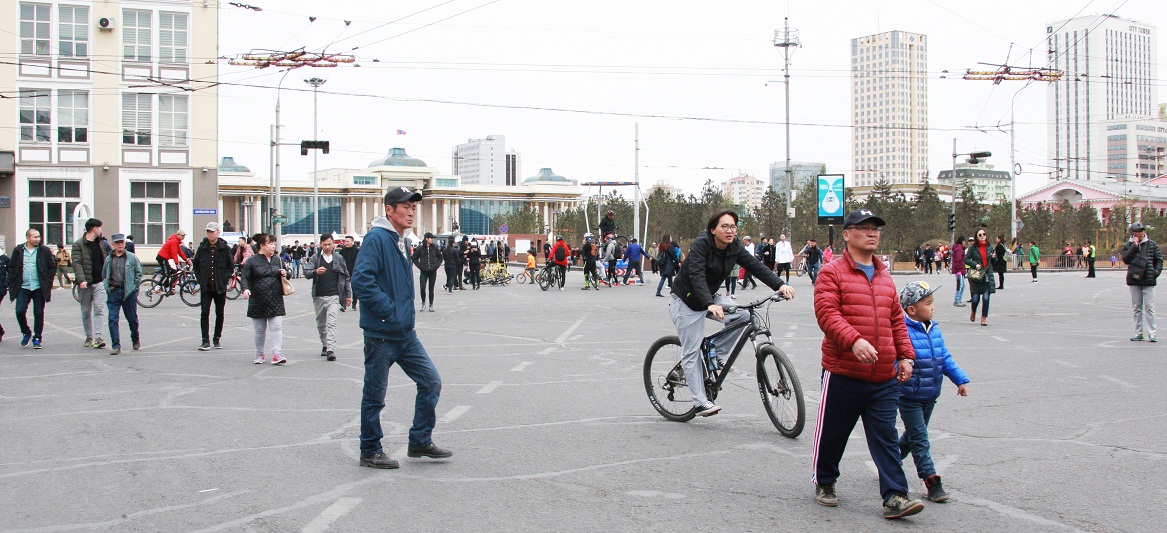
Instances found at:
x=401 y=132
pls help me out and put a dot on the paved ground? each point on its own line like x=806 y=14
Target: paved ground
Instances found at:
x=544 y=407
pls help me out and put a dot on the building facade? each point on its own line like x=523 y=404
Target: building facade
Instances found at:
x=744 y=190
x=351 y=197
x=1110 y=75
x=486 y=162
x=1135 y=146
x=801 y=173
x=889 y=108
x=990 y=186
x=104 y=120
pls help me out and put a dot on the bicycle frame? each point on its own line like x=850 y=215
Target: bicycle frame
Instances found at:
x=753 y=327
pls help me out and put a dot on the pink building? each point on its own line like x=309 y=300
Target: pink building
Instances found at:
x=1102 y=195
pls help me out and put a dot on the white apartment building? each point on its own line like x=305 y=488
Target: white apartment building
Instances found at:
x=664 y=186
x=991 y=186
x=103 y=120
x=889 y=108
x=1110 y=76
x=486 y=162
x=744 y=190
x=1135 y=147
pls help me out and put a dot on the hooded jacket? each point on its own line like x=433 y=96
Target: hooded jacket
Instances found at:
x=382 y=280
x=1151 y=263
x=933 y=362
x=706 y=267
x=958 y=259
x=849 y=308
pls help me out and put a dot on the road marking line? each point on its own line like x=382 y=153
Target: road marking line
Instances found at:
x=571 y=329
x=787 y=344
x=454 y=413
x=342 y=507
x=521 y=366
x=794 y=326
x=546 y=351
x=1002 y=339
x=789 y=334
x=1069 y=364
x=1119 y=381
x=489 y=387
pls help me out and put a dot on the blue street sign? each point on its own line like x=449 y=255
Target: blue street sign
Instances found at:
x=198 y=211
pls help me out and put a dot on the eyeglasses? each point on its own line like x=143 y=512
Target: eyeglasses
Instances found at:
x=727 y=227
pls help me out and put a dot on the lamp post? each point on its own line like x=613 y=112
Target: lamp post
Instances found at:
x=973 y=158
x=278 y=226
x=315 y=83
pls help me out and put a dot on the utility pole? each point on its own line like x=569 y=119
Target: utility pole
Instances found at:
x=315 y=83
x=786 y=39
x=636 y=194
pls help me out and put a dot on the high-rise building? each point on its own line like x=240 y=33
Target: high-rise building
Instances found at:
x=104 y=121
x=744 y=190
x=889 y=108
x=486 y=162
x=800 y=172
x=1109 y=67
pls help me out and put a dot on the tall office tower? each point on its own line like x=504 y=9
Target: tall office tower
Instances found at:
x=486 y=162
x=889 y=108
x=1110 y=75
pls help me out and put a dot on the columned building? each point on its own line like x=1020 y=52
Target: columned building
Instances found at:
x=351 y=197
x=889 y=108
x=104 y=121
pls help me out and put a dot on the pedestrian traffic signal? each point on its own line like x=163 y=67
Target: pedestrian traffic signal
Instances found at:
x=952 y=222
x=313 y=145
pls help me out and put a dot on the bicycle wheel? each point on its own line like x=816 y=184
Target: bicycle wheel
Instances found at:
x=522 y=277
x=781 y=391
x=801 y=269
x=149 y=294
x=190 y=293
x=545 y=280
x=665 y=381
x=234 y=288
x=76 y=292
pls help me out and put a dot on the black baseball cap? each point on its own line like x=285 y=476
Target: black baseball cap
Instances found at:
x=860 y=216
x=398 y=195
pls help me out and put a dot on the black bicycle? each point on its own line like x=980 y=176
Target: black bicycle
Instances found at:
x=548 y=276
x=778 y=384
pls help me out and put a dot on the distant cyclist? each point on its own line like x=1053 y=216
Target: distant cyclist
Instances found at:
x=608 y=225
x=170 y=255
x=713 y=255
x=559 y=254
x=589 y=252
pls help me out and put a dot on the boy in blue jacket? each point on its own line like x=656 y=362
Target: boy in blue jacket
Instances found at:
x=919 y=393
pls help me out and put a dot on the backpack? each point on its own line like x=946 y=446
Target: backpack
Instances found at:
x=560 y=254
x=618 y=252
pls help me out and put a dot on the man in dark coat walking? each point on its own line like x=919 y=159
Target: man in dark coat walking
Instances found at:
x=30 y=279
x=213 y=267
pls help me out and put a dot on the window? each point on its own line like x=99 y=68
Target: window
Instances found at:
x=72 y=116
x=153 y=210
x=73 y=36
x=364 y=180
x=135 y=35
x=35 y=115
x=136 y=119
x=172 y=120
x=34 y=29
x=1116 y=137
x=172 y=37
x=50 y=209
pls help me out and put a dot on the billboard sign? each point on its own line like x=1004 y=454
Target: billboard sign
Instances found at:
x=831 y=196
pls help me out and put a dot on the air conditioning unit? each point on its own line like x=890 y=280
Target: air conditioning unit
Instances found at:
x=107 y=23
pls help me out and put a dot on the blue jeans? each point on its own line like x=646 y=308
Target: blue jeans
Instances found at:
x=916 y=414
x=976 y=300
x=959 y=288
x=23 y=297
x=410 y=355
x=813 y=271
x=118 y=301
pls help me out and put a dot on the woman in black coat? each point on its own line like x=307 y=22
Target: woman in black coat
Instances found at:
x=999 y=261
x=262 y=276
x=975 y=258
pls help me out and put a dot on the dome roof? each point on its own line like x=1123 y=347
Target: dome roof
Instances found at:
x=546 y=176
x=228 y=164
x=398 y=158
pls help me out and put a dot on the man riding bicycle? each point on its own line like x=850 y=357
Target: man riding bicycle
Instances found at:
x=559 y=254
x=714 y=254
x=589 y=252
x=168 y=258
x=608 y=225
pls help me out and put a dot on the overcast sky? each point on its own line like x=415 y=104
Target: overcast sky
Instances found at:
x=566 y=82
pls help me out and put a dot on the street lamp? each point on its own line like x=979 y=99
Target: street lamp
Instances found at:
x=315 y=83
x=973 y=158
x=278 y=226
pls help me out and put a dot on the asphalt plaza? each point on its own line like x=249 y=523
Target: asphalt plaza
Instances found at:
x=544 y=407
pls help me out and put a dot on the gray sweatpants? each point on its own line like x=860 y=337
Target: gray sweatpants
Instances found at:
x=326 y=309
x=269 y=329
x=690 y=326
x=1143 y=300
x=92 y=309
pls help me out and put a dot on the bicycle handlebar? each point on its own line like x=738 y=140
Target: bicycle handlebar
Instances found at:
x=776 y=297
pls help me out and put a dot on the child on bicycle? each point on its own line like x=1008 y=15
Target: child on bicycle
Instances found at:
x=919 y=393
x=531 y=264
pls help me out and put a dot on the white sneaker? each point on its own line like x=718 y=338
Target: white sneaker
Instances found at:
x=708 y=409
x=259 y=359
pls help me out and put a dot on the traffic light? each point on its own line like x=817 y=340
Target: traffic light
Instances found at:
x=313 y=145
x=952 y=222
x=976 y=157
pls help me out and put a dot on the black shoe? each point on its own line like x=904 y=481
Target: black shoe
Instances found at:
x=330 y=356
x=935 y=489
x=137 y=345
x=204 y=346
x=323 y=352
x=218 y=346
x=379 y=460
x=432 y=451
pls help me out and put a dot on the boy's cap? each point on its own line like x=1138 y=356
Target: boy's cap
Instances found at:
x=915 y=291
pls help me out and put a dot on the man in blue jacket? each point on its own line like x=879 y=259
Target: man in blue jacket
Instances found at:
x=383 y=281
x=634 y=255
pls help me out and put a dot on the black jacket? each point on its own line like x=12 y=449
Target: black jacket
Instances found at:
x=1144 y=257
x=224 y=264
x=453 y=257
x=998 y=260
x=349 y=255
x=706 y=268
x=427 y=257
x=46 y=266
x=262 y=278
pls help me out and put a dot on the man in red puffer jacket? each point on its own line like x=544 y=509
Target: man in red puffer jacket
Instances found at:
x=866 y=350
